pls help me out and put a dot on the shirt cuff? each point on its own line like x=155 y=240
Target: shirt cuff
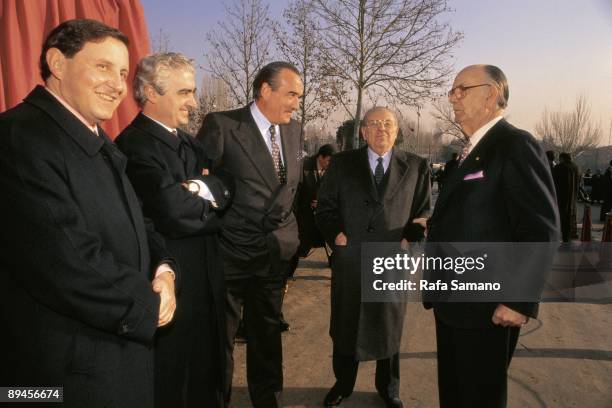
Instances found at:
x=205 y=192
x=164 y=268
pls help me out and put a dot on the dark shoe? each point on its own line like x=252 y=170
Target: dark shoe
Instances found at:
x=284 y=326
x=333 y=398
x=394 y=402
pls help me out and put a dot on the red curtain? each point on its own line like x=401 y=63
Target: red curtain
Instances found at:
x=25 y=24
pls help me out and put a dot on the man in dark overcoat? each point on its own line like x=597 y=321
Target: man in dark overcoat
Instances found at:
x=259 y=148
x=567 y=182
x=166 y=165
x=502 y=191
x=372 y=194
x=77 y=305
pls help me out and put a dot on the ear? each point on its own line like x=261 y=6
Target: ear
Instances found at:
x=266 y=90
x=151 y=94
x=56 y=62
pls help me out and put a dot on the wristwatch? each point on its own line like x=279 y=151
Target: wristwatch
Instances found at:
x=193 y=187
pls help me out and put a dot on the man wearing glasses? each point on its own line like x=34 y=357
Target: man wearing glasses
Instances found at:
x=502 y=191
x=373 y=194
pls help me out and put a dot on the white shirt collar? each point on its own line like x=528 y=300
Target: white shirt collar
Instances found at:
x=263 y=124
x=93 y=128
x=169 y=129
x=475 y=138
x=373 y=159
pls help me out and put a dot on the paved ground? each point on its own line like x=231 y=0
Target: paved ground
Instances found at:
x=564 y=359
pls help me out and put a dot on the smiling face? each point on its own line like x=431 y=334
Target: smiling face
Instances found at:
x=477 y=106
x=380 y=130
x=278 y=104
x=173 y=107
x=93 y=81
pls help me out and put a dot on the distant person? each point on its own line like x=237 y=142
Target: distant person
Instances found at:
x=567 y=183
x=165 y=165
x=371 y=194
x=502 y=192
x=606 y=190
x=587 y=181
x=86 y=281
x=596 y=183
x=550 y=155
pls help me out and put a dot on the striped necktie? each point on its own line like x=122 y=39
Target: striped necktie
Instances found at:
x=281 y=173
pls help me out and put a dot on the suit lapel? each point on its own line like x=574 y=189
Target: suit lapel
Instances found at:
x=251 y=141
x=474 y=160
x=398 y=168
x=365 y=177
x=291 y=152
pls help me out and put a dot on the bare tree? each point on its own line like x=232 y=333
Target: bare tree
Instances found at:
x=213 y=96
x=442 y=112
x=572 y=132
x=161 y=42
x=397 y=48
x=240 y=46
x=298 y=42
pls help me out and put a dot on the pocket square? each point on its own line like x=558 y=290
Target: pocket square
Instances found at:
x=473 y=176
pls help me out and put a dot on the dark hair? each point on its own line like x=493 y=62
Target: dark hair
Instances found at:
x=501 y=82
x=455 y=155
x=268 y=74
x=565 y=157
x=326 y=150
x=550 y=155
x=70 y=38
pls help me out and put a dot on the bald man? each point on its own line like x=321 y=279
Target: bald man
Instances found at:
x=502 y=191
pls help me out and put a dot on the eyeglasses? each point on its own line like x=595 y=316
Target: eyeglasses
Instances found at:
x=386 y=124
x=459 y=91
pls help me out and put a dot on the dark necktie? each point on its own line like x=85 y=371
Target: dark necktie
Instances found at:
x=276 y=158
x=379 y=171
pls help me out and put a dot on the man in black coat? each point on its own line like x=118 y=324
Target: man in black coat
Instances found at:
x=259 y=148
x=78 y=308
x=166 y=166
x=372 y=194
x=313 y=170
x=567 y=182
x=502 y=191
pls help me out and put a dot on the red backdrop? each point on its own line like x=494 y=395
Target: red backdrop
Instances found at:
x=25 y=24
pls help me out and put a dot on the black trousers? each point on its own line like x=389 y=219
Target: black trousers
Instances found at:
x=473 y=365
x=386 y=379
x=260 y=301
x=188 y=368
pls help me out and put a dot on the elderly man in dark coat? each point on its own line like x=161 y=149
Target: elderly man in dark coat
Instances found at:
x=372 y=194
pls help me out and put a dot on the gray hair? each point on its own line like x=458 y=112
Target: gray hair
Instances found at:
x=376 y=109
x=498 y=77
x=153 y=70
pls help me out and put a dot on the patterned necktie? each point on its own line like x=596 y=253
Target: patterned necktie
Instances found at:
x=465 y=152
x=276 y=158
x=379 y=171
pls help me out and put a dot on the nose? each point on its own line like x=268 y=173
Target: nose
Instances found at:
x=191 y=102
x=117 y=82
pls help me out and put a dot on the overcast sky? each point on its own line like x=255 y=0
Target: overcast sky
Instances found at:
x=551 y=50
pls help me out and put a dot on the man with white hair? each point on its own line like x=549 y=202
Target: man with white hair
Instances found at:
x=166 y=166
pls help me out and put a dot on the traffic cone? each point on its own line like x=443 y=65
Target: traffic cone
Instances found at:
x=585 y=235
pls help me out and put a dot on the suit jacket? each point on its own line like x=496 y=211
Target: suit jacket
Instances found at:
x=259 y=233
x=349 y=202
x=309 y=234
x=158 y=162
x=76 y=258
x=514 y=201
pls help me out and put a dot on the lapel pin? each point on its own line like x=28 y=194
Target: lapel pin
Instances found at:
x=477 y=158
